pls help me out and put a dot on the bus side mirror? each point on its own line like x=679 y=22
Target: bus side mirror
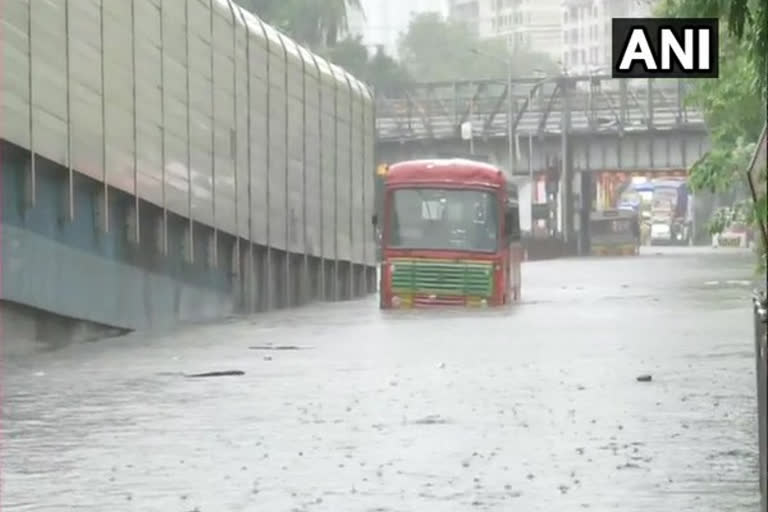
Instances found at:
x=374 y=220
x=508 y=228
x=512 y=224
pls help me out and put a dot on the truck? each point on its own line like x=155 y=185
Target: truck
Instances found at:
x=671 y=213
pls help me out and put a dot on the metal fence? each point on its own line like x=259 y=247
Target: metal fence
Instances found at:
x=594 y=104
x=760 y=304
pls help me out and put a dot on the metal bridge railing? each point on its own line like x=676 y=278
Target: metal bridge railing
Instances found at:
x=596 y=104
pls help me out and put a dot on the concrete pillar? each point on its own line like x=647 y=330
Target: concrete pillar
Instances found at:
x=277 y=278
x=361 y=281
x=335 y=280
x=351 y=291
x=288 y=280
x=306 y=279
x=260 y=290
x=372 y=279
x=343 y=281
x=268 y=279
x=328 y=280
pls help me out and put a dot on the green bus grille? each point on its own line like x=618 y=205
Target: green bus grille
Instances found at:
x=442 y=278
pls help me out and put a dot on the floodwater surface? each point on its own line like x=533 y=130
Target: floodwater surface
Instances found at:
x=342 y=407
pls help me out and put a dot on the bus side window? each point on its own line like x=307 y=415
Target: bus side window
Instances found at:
x=512 y=222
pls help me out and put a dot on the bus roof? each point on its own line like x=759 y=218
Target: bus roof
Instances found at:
x=453 y=170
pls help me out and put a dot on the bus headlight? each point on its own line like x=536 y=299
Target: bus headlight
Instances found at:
x=484 y=303
x=396 y=301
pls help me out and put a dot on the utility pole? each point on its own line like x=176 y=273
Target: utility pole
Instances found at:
x=510 y=108
x=566 y=184
x=471 y=126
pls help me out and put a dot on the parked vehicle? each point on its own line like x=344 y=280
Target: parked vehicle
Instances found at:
x=614 y=233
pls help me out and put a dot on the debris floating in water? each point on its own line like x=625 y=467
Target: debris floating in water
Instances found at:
x=278 y=347
x=644 y=378
x=432 y=419
x=225 y=373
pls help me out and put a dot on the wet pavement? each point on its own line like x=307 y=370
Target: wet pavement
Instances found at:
x=533 y=408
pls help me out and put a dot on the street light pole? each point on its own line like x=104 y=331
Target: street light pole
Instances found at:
x=510 y=128
x=510 y=108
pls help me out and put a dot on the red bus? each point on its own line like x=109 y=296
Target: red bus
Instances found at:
x=450 y=235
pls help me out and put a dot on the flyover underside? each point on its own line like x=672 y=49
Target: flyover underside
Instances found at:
x=79 y=268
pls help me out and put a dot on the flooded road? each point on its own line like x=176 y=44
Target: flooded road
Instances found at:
x=535 y=408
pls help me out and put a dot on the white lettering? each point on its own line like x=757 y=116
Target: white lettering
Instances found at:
x=637 y=49
x=703 y=49
x=670 y=44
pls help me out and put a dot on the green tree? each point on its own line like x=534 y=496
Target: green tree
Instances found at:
x=733 y=105
x=380 y=71
x=350 y=54
x=434 y=49
x=747 y=22
x=334 y=19
x=388 y=77
x=735 y=115
x=315 y=23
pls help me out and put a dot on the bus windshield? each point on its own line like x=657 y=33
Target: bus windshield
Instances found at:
x=444 y=219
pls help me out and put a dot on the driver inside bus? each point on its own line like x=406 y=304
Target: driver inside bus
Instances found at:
x=483 y=229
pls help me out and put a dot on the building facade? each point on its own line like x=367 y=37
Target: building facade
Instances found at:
x=586 y=31
x=576 y=33
x=526 y=25
x=468 y=12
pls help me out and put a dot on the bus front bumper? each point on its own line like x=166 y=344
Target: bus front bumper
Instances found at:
x=416 y=301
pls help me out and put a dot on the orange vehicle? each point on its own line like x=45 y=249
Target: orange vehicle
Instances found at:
x=450 y=235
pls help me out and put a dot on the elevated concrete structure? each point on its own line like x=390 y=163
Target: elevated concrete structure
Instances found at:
x=176 y=160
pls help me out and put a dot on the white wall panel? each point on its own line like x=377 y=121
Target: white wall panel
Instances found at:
x=190 y=116
x=15 y=86
x=369 y=145
x=224 y=107
x=313 y=152
x=258 y=113
x=356 y=182
x=241 y=129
